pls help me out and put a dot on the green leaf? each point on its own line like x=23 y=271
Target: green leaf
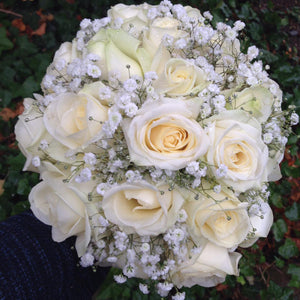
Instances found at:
x=5 y=43
x=279 y=262
x=293 y=213
x=279 y=229
x=288 y=249
x=294 y=270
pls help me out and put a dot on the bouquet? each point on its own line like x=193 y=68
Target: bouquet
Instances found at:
x=155 y=139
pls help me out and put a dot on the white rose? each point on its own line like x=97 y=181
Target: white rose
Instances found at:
x=207 y=269
x=29 y=129
x=142 y=208
x=157 y=30
x=180 y=78
x=262 y=226
x=164 y=135
x=134 y=17
x=62 y=206
x=67 y=119
x=117 y=50
x=257 y=100
x=221 y=218
x=235 y=141
x=66 y=53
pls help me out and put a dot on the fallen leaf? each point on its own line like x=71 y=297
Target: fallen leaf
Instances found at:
x=41 y=30
x=1 y=186
x=221 y=287
x=18 y=23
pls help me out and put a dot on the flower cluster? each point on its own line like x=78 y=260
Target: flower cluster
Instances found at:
x=156 y=138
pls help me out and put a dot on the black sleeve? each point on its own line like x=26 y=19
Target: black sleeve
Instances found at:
x=33 y=266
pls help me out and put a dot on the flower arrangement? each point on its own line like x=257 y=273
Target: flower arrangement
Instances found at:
x=156 y=138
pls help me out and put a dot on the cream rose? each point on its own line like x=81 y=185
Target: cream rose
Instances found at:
x=180 y=78
x=256 y=100
x=261 y=225
x=66 y=53
x=29 y=129
x=207 y=269
x=165 y=136
x=235 y=141
x=68 y=119
x=134 y=17
x=62 y=206
x=117 y=50
x=142 y=208
x=221 y=218
x=158 y=28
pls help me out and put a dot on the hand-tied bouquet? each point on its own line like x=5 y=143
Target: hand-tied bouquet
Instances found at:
x=155 y=139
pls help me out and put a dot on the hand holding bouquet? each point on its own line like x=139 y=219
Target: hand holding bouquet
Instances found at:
x=156 y=138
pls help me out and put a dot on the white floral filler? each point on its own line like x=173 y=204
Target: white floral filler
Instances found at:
x=155 y=139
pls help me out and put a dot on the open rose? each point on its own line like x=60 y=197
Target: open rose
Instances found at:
x=118 y=50
x=134 y=17
x=207 y=269
x=165 y=136
x=74 y=119
x=236 y=143
x=180 y=78
x=29 y=130
x=257 y=100
x=62 y=205
x=221 y=218
x=142 y=208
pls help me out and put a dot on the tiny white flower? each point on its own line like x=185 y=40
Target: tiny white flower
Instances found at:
x=130 y=85
x=151 y=76
x=129 y=270
x=44 y=144
x=101 y=188
x=60 y=64
x=85 y=23
x=294 y=119
x=221 y=171
x=120 y=278
x=84 y=176
x=180 y=44
x=90 y=158
x=93 y=71
x=112 y=259
x=144 y=288
x=145 y=247
x=192 y=167
x=87 y=260
x=217 y=189
x=268 y=137
x=207 y=15
x=36 y=162
x=252 y=52
x=231 y=34
x=239 y=25
x=131 y=110
x=182 y=216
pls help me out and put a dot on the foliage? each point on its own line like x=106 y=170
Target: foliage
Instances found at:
x=30 y=32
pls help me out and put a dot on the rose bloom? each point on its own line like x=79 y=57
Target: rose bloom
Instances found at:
x=142 y=208
x=207 y=269
x=257 y=99
x=262 y=226
x=62 y=206
x=29 y=133
x=67 y=119
x=235 y=141
x=157 y=30
x=134 y=17
x=165 y=136
x=117 y=50
x=221 y=218
x=180 y=78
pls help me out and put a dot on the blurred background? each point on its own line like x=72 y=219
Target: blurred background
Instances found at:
x=32 y=30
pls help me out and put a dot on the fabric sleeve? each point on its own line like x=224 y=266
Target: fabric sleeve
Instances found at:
x=33 y=266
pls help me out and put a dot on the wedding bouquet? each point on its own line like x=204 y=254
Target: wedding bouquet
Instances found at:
x=155 y=139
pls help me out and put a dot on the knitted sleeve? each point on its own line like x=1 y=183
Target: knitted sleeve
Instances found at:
x=33 y=266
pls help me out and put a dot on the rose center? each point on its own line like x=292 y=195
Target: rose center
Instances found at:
x=168 y=138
